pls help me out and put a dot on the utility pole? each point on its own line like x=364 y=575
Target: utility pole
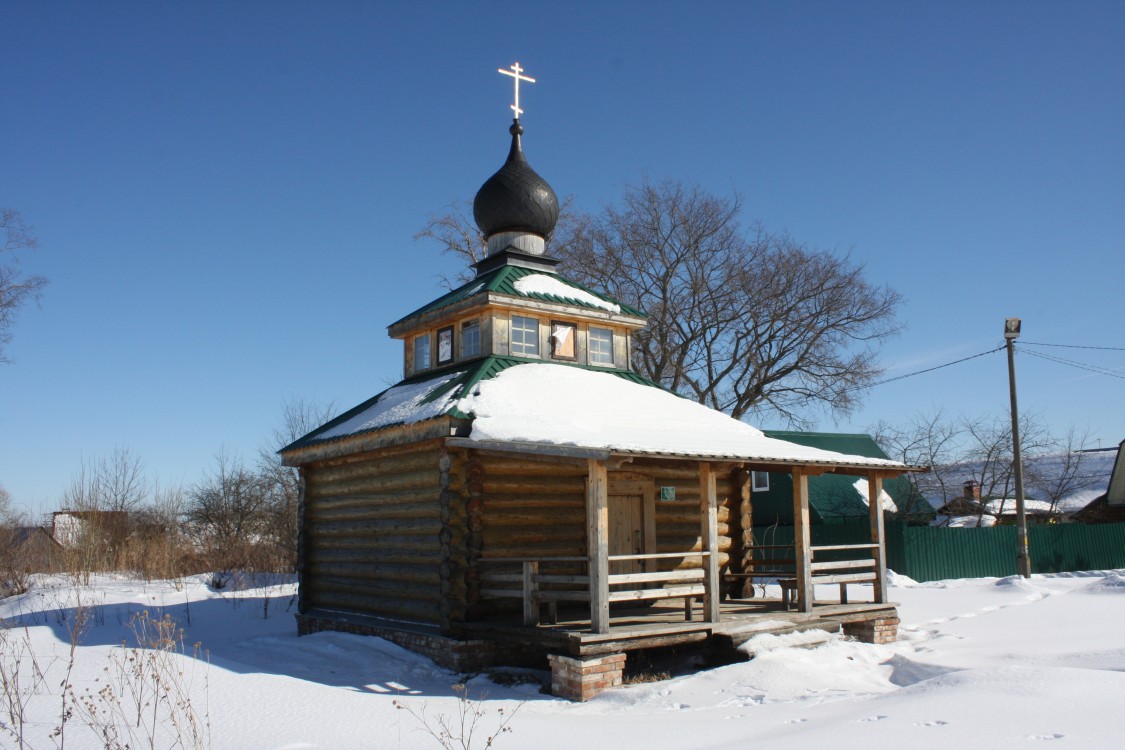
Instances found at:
x=1023 y=559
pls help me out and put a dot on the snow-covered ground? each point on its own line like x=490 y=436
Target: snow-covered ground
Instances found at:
x=990 y=663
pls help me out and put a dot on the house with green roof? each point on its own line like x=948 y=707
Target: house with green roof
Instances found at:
x=834 y=498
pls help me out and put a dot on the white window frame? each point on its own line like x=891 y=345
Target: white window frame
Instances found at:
x=590 y=347
x=473 y=325
x=422 y=344
x=525 y=348
x=759 y=481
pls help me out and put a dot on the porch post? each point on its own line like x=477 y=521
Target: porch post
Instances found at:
x=709 y=538
x=597 y=544
x=878 y=534
x=801 y=540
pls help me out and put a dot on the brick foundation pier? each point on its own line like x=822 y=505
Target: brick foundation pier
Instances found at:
x=580 y=679
x=880 y=631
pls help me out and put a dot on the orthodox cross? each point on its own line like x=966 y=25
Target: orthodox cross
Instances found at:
x=514 y=72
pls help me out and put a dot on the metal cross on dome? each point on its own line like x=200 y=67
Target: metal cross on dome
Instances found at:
x=515 y=72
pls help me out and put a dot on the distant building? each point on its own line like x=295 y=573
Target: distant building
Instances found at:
x=30 y=549
x=71 y=528
x=834 y=498
x=1108 y=507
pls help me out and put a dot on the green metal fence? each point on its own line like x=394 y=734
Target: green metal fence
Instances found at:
x=931 y=553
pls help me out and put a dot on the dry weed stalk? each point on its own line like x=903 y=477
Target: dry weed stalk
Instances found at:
x=21 y=678
x=144 y=698
x=457 y=732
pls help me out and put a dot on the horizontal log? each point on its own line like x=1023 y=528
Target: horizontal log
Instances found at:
x=390 y=545
x=502 y=547
x=428 y=575
x=421 y=555
x=826 y=547
x=392 y=482
x=521 y=468
x=387 y=451
x=660 y=577
x=372 y=512
x=563 y=596
x=531 y=485
x=545 y=501
x=359 y=499
x=502 y=541
x=841 y=564
x=376 y=466
x=489 y=457
x=844 y=578
x=689 y=515
x=501 y=593
x=579 y=580
x=364 y=605
x=670 y=592
x=392 y=590
x=375 y=529
x=573 y=518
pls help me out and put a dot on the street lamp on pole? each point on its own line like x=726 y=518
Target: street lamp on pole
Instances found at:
x=1023 y=559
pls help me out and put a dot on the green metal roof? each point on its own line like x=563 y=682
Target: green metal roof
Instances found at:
x=831 y=496
x=449 y=386
x=502 y=281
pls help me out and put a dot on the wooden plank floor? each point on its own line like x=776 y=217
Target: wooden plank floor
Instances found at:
x=663 y=624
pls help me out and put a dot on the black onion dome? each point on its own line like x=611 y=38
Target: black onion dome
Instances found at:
x=516 y=199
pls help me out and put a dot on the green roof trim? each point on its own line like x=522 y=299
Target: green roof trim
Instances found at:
x=453 y=384
x=503 y=281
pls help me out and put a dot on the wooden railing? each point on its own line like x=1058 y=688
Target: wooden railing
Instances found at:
x=783 y=570
x=569 y=587
x=843 y=572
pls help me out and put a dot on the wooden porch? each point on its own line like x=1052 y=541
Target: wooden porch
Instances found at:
x=663 y=624
x=693 y=578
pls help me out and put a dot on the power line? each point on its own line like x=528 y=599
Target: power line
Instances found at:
x=931 y=369
x=1072 y=346
x=1078 y=365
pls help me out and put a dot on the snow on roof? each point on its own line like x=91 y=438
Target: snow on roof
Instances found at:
x=885 y=500
x=570 y=406
x=965 y=522
x=538 y=283
x=1008 y=506
x=401 y=404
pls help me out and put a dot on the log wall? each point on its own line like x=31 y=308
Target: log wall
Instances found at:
x=520 y=507
x=373 y=539
x=528 y=507
x=416 y=531
x=677 y=521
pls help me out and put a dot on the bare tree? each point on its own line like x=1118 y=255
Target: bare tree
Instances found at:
x=228 y=507
x=280 y=482
x=5 y=507
x=979 y=449
x=927 y=440
x=1063 y=472
x=15 y=287
x=743 y=321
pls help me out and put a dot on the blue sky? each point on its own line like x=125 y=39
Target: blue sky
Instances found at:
x=226 y=193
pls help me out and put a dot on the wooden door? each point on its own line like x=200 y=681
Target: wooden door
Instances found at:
x=626 y=532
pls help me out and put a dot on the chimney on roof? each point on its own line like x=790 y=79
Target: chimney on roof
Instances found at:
x=972 y=490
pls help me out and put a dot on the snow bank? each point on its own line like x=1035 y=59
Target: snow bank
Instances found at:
x=994 y=663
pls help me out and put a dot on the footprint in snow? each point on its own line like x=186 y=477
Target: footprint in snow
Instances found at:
x=877 y=717
x=795 y=721
x=1055 y=736
x=934 y=723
